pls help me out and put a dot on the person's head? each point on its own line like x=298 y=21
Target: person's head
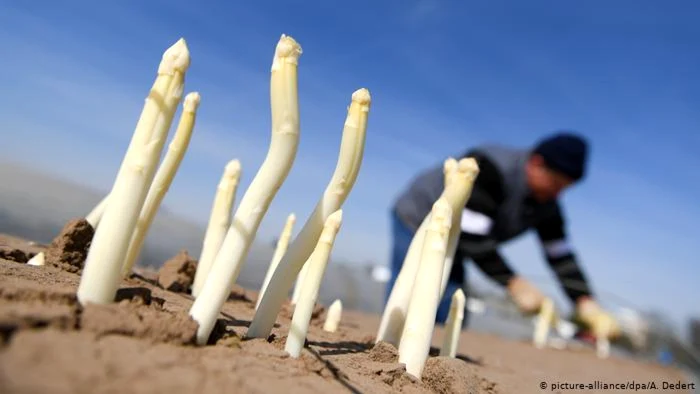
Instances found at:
x=556 y=162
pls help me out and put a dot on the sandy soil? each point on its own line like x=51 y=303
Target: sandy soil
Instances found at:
x=144 y=342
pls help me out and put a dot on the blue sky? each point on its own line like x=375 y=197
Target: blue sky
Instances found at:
x=443 y=76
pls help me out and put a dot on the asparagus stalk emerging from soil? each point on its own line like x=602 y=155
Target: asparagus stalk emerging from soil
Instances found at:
x=299 y=284
x=545 y=320
x=284 y=102
x=335 y=311
x=96 y=214
x=163 y=178
x=602 y=342
x=101 y=274
x=420 y=320
x=312 y=282
x=219 y=221
x=38 y=260
x=280 y=250
x=346 y=170
x=459 y=180
x=453 y=326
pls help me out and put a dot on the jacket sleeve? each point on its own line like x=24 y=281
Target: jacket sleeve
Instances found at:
x=561 y=257
x=476 y=241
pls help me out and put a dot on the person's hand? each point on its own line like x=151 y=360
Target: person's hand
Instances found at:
x=525 y=295
x=600 y=322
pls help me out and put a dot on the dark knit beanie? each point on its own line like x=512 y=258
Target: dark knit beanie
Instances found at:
x=564 y=152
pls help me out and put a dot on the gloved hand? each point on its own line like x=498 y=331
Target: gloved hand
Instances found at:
x=596 y=319
x=525 y=295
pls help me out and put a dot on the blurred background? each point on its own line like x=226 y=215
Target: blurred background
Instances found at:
x=443 y=76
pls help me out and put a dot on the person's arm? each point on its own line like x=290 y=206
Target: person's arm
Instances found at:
x=561 y=257
x=478 y=216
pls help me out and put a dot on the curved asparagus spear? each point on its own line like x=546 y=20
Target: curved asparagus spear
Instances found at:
x=163 y=179
x=280 y=250
x=459 y=180
x=219 y=221
x=420 y=319
x=284 y=104
x=453 y=326
x=344 y=176
x=101 y=274
x=312 y=283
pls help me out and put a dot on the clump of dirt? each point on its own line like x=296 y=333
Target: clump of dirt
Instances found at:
x=240 y=294
x=287 y=312
x=129 y=317
x=43 y=298
x=463 y=379
x=16 y=255
x=177 y=274
x=25 y=305
x=68 y=251
x=383 y=352
x=17 y=249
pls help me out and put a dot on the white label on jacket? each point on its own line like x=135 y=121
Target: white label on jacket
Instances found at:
x=557 y=248
x=475 y=222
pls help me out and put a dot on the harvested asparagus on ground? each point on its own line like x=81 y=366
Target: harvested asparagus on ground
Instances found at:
x=420 y=319
x=335 y=312
x=459 y=180
x=96 y=214
x=453 y=325
x=312 y=283
x=298 y=284
x=344 y=177
x=280 y=250
x=101 y=273
x=38 y=260
x=284 y=103
x=163 y=178
x=219 y=221
x=545 y=320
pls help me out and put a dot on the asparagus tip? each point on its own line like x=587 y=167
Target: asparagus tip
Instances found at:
x=192 y=101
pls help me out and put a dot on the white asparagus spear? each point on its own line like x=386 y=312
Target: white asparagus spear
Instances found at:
x=544 y=321
x=280 y=250
x=459 y=180
x=284 y=103
x=96 y=214
x=602 y=342
x=219 y=221
x=163 y=179
x=335 y=312
x=38 y=260
x=453 y=326
x=420 y=319
x=101 y=273
x=312 y=283
x=299 y=284
x=349 y=160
